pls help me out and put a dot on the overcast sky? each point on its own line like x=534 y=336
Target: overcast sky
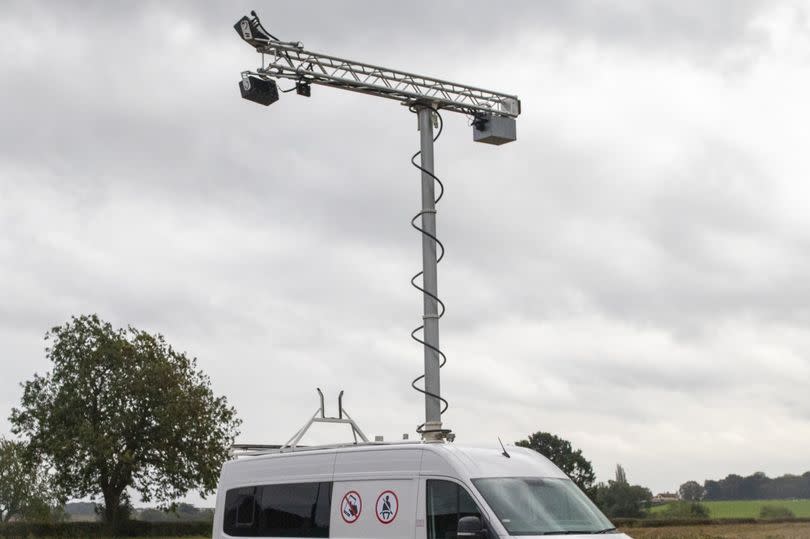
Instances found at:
x=631 y=274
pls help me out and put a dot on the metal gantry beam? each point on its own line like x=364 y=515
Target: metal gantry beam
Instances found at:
x=285 y=60
x=289 y=60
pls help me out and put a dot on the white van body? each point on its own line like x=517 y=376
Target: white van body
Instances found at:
x=374 y=491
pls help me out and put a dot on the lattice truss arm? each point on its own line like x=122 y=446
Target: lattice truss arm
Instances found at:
x=289 y=60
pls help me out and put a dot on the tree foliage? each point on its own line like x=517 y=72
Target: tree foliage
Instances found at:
x=24 y=487
x=691 y=491
x=561 y=453
x=758 y=486
x=121 y=409
x=621 y=476
x=618 y=498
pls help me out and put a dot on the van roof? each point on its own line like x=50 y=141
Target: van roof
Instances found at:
x=464 y=461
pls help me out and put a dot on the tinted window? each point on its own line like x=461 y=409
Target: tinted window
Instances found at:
x=293 y=510
x=446 y=503
x=300 y=510
x=240 y=511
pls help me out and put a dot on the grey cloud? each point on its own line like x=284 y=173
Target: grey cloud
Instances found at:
x=706 y=244
x=690 y=28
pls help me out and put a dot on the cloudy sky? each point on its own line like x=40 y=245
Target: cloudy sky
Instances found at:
x=631 y=274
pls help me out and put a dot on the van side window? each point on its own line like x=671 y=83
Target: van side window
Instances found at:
x=240 y=510
x=447 y=502
x=300 y=510
x=292 y=510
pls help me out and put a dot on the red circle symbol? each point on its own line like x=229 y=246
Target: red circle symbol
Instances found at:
x=387 y=506
x=350 y=507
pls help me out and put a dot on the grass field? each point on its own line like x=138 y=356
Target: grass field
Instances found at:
x=723 y=531
x=747 y=508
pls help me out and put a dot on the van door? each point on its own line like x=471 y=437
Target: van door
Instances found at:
x=443 y=502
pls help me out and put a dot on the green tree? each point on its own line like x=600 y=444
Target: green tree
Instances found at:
x=561 y=453
x=618 y=498
x=121 y=409
x=24 y=487
x=691 y=491
x=621 y=476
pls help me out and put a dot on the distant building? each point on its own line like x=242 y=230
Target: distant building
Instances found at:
x=664 y=497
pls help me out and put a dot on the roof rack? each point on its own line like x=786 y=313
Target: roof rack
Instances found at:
x=246 y=450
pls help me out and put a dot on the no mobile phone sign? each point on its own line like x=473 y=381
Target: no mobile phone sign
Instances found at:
x=350 y=507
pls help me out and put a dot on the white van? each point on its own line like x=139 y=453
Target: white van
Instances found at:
x=403 y=490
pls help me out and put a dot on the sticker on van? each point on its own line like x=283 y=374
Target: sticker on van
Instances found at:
x=387 y=506
x=350 y=507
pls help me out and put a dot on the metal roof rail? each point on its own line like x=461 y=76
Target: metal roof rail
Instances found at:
x=247 y=450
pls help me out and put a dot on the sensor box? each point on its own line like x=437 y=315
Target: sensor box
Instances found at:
x=494 y=129
x=264 y=92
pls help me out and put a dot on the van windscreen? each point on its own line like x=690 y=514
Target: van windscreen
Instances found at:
x=541 y=506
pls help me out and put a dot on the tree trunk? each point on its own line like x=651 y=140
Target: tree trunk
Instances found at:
x=113 y=514
x=10 y=511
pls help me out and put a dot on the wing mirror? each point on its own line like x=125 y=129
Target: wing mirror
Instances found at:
x=471 y=528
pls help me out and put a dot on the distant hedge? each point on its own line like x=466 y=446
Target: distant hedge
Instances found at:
x=130 y=528
x=776 y=511
x=661 y=523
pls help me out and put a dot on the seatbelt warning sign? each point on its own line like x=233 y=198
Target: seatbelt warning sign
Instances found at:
x=387 y=506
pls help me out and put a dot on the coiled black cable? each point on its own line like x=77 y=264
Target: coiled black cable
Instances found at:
x=443 y=358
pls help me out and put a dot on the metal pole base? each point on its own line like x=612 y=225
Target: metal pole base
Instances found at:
x=433 y=432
